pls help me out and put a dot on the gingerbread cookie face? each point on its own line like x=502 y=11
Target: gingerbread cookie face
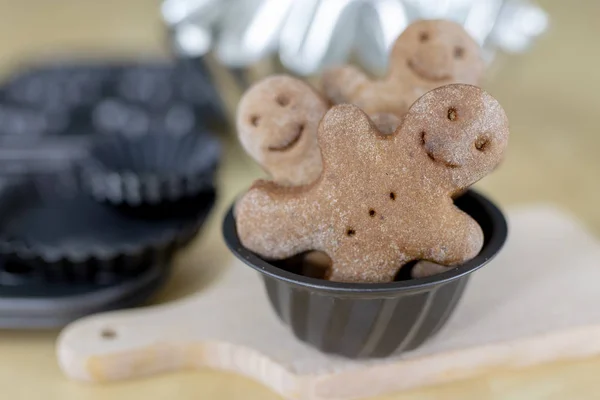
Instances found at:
x=428 y=54
x=436 y=51
x=463 y=133
x=277 y=122
x=382 y=200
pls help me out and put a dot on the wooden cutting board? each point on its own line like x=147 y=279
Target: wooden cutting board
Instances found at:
x=536 y=302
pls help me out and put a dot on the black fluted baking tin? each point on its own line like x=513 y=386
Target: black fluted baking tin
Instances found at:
x=53 y=99
x=150 y=169
x=79 y=97
x=52 y=233
x=38 y=305
x=161 y=90
x=372 y=320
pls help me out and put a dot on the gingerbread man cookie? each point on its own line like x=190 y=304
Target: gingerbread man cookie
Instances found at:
x=384 y=200
x=428 y=54
x=277 y=122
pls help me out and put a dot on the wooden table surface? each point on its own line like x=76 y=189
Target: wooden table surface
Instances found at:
x=550 y=95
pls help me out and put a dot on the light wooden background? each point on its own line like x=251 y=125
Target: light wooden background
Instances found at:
x=551 y=95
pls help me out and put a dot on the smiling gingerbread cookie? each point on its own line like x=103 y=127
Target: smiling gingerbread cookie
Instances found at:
x=384 y=200
x=277 y=122
x=428 y=54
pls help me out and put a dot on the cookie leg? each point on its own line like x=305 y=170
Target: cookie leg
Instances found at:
x=458 y=240
x=272 y=224
x=423 y=269
x=316 y=264
x=375 y=268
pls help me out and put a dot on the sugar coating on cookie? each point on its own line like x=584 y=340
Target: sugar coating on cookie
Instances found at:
x=277 y=122
x=428 y=54
x=384 y=200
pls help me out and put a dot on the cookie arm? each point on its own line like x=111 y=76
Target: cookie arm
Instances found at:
x=271 y=223
x=344 y=84
x=387 y=123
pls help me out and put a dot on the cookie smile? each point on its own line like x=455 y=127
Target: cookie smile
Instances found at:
x=432 y=156
x=288 y=144
x=411 y=65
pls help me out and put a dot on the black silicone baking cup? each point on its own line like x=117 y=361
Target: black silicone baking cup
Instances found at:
x=52 y=233
x=372 y=320
x=150 y=169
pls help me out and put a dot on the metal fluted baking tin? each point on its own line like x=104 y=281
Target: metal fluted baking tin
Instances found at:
x=150 y=169
x=50 y=232
x=309 y=35
x=372 y=320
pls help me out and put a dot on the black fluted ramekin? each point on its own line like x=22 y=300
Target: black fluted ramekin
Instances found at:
x=360 y=320
x=50 y=233
x=151 y=169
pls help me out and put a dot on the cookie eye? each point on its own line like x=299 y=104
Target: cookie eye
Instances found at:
x=452 y=115
x=481 y=143
x=423 y=37
x=459 y=52
x=372 y=212
x=282 y=100
x=254 y=120
x=350 y=232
